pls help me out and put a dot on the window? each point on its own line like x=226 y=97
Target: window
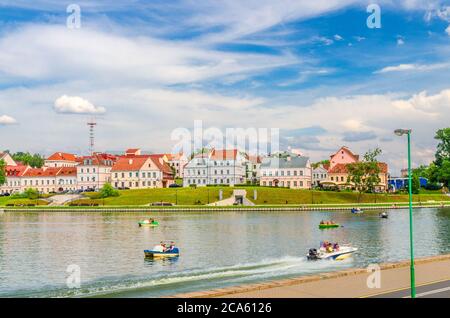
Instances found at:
x=295 y=172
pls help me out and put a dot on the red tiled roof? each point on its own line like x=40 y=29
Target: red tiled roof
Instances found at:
x=163 y=166
x=62 y=156
x=41 y=172
x=224 y=154
x=132 y=163
x=98 y=158
x=342 y=168
x=15 y=171
x=67 y=171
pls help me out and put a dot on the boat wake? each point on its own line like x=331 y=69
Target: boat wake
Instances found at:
x=195 y=279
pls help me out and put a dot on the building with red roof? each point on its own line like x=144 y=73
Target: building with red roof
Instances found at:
x=61 y=159
x=94 y=171
x=135 y=171
x=338 y=173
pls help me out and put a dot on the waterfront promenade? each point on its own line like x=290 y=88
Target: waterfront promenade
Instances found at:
x=432 y=280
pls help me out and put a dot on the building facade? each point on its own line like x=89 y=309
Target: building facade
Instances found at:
x=141 y=171
x=320 y=174
x=94 y=171
x=217 y=167
x=286 y=170
x=61 y=159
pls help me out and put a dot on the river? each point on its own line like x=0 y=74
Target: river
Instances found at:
x=217 y=249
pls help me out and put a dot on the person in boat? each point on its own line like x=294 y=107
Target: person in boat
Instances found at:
x=171 y=247
x=336 y=246
x=159 y=248
x=322 y=222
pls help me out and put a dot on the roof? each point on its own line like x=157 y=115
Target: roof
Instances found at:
x=162 y=165
x=67 y=171
x=283 y=163
x=132 y=163
x=41 y=172
x=98 y=159
x=253 y=159
x=342 y=168
x=346 y=149
x=224 y=154
x=15 y=171
x=62 y=156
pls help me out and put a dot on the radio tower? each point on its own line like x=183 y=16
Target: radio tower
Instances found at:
x=91 y=125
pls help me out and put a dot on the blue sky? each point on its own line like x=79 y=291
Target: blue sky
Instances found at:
x=313 y=69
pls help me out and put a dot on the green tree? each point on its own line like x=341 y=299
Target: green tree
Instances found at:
x=415 y=182
x=323 y=162
x=365 y=174
x=108 y=191
x=26 y=158
x=443 y=147
x=2 y=172
x=443 y=174
x=31 y=193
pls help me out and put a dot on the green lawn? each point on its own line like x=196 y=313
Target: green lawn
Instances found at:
x=7 y=201
x=265 y=196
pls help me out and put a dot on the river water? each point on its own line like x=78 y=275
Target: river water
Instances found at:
x=218 y=249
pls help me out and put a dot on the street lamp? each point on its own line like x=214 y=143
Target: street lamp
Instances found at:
x=401 y=132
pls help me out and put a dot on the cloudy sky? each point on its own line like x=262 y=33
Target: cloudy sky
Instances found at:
x=313 y=69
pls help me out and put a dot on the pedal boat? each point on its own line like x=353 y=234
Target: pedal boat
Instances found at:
x=148 y=223
x=328 y=226
x=343 y=253
x=357 y=211
x=155 y=254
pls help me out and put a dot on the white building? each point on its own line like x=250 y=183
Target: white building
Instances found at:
x=286 y=170
x=61 y=159
x=218 y=167
x=319 y=174
x=177 y=162
x=94 y=171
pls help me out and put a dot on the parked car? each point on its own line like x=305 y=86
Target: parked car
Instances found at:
x=175 y=185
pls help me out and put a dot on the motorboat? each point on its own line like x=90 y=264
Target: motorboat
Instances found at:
x=384 y=215
x=328 y=226
x=357 y=211
x=341 y=253
x=160 y=251
x=148 y=223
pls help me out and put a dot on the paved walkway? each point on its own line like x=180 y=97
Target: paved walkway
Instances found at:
x=61 y=199
x=348 y=283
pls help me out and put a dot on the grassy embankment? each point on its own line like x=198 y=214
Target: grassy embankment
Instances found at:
x=265 y=196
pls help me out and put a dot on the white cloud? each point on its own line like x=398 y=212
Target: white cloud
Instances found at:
x=76 y=105
x=448 y=30
x=400 y=41
x=412 y=67
x=50 y=51
x=337 y=37
x=7 y=120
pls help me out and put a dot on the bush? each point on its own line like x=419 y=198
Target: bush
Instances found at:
x=108 y=191
x=433 y=186
x=31 y=194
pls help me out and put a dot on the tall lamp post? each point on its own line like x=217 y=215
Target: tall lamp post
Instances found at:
x=401 y=132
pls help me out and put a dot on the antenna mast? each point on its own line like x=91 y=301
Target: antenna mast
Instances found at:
x=91 y=125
